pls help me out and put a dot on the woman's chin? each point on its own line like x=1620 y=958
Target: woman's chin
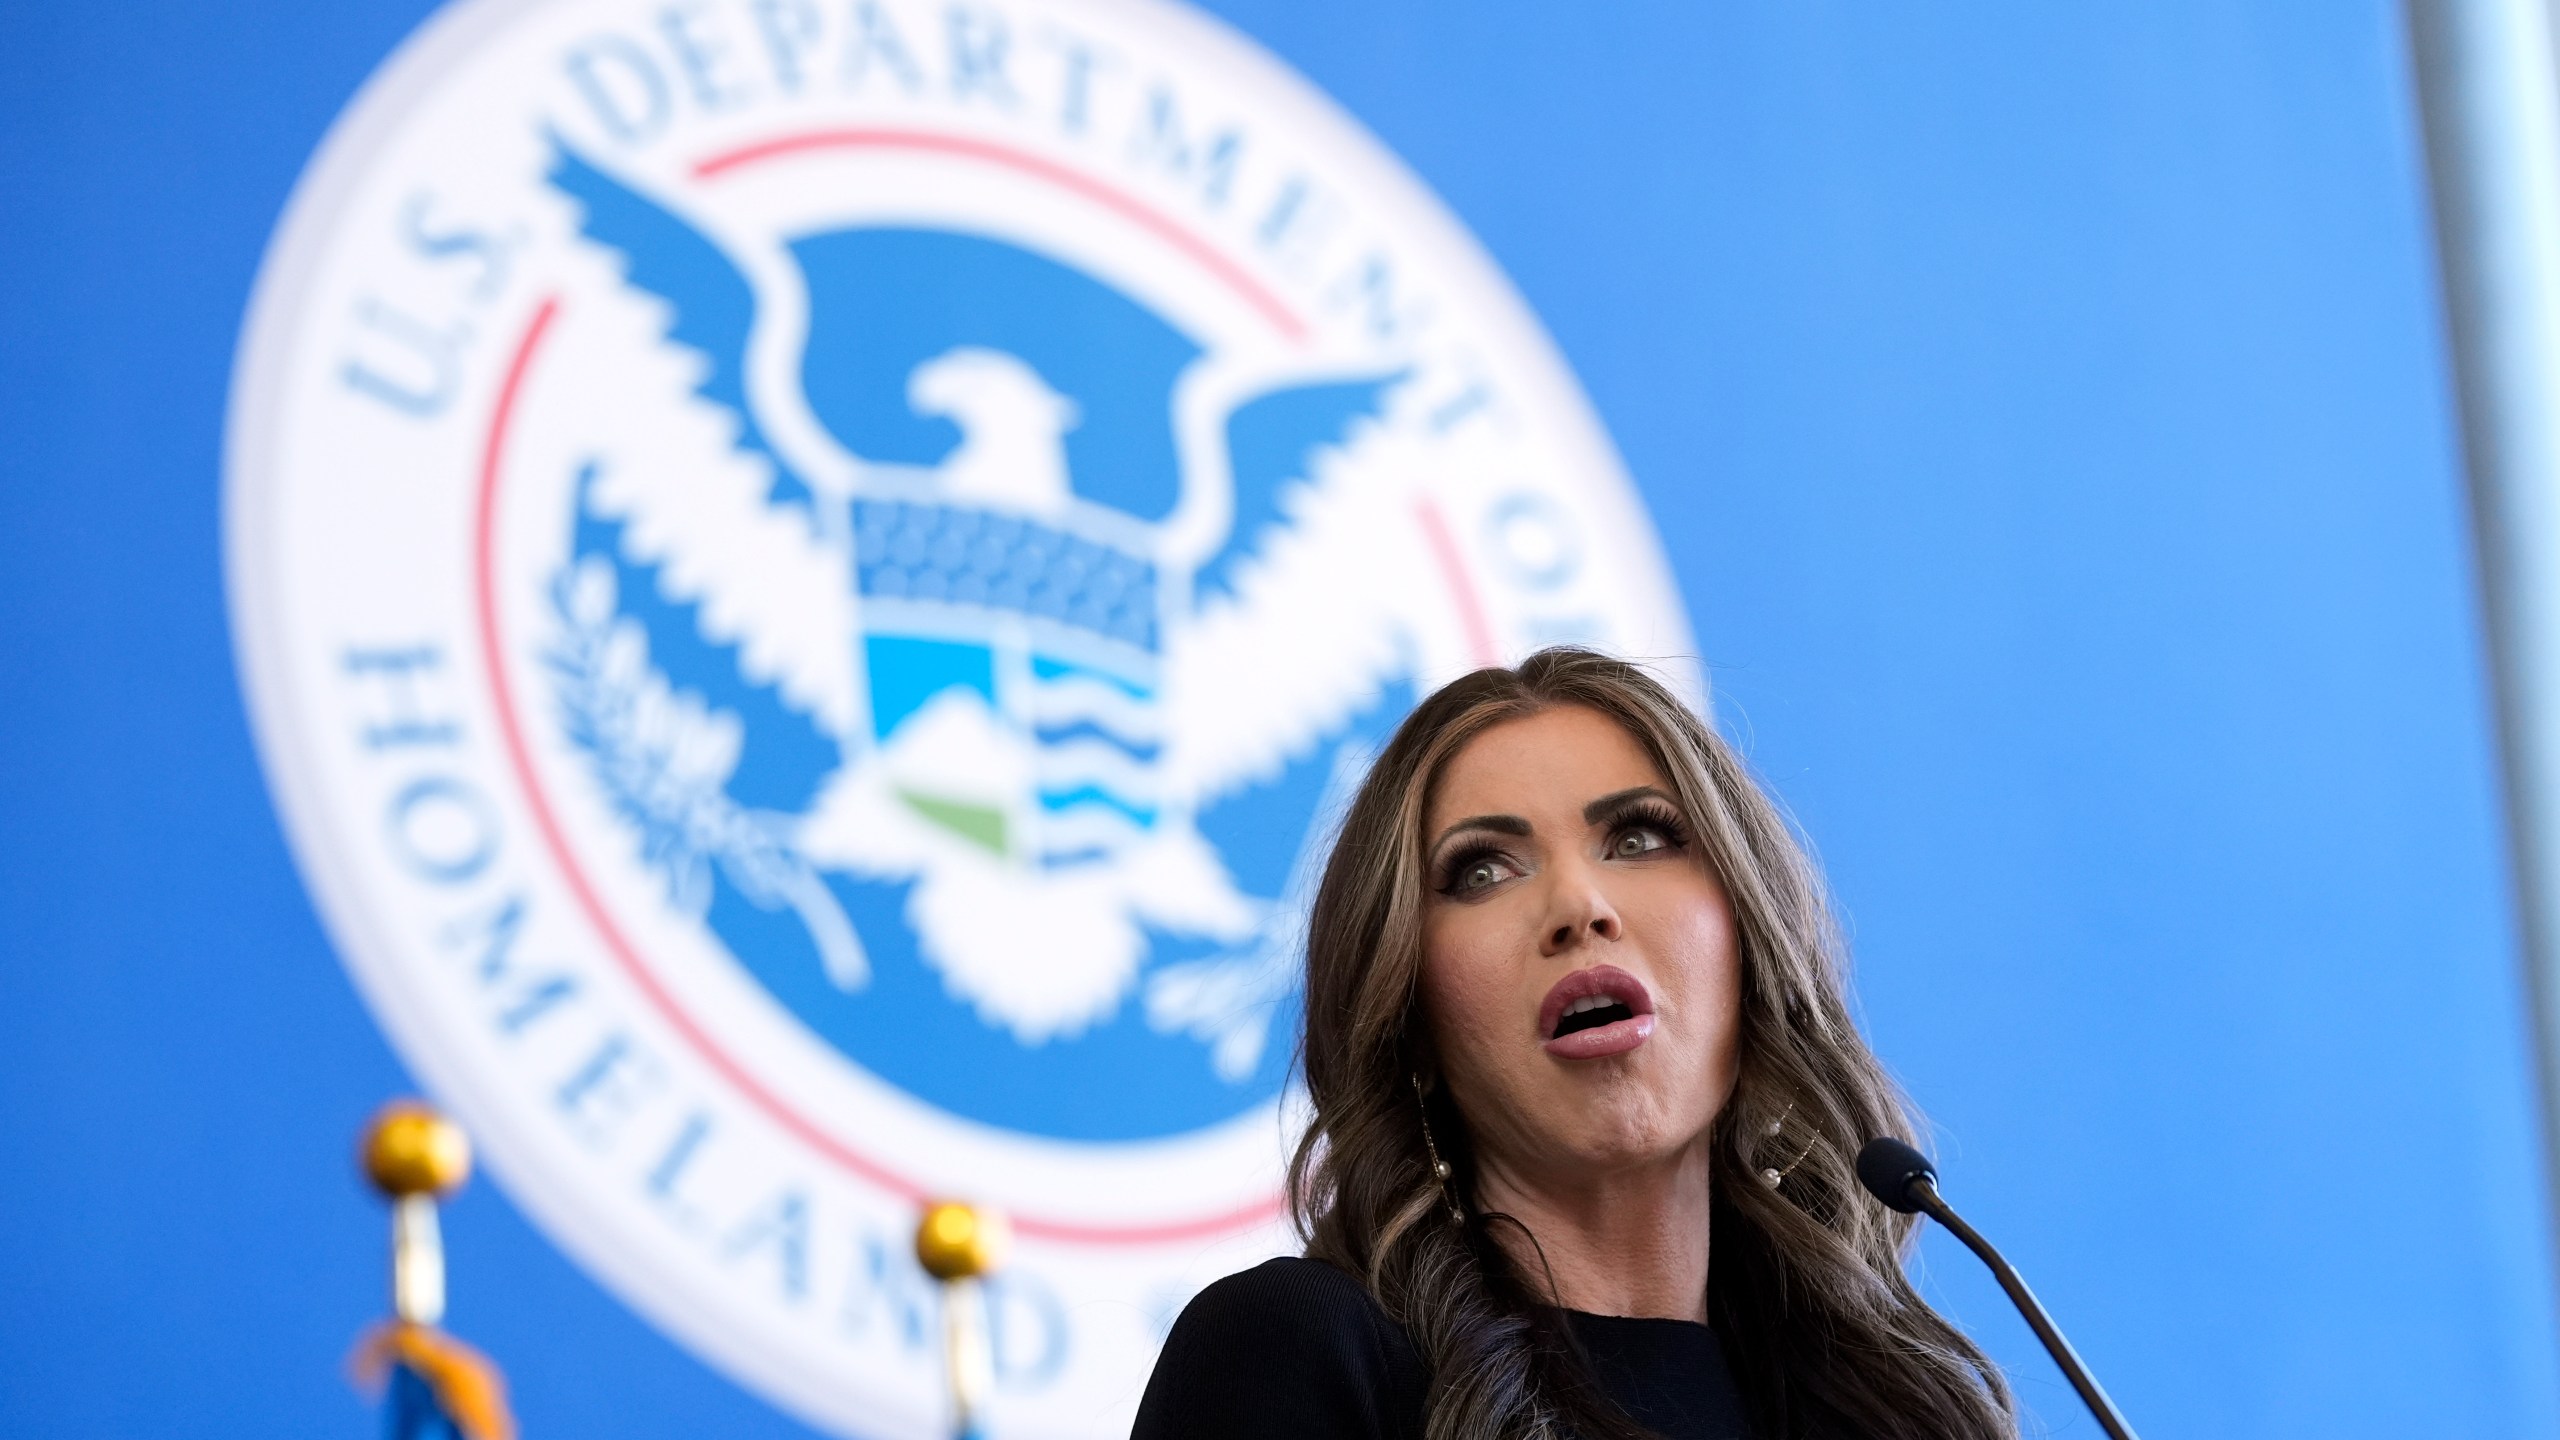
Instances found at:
x=1615 y=1142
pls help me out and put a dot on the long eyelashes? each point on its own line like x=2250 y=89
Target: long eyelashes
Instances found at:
x=1651 y=815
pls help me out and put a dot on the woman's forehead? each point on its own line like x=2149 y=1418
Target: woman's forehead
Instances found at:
x=1555 y=760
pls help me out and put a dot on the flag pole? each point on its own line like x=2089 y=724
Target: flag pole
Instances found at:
x=960 y=1245
x=436 y=1385
x=2488 y=87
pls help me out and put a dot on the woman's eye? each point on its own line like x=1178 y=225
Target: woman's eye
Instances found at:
x=1643 y=840
x=1481 y=873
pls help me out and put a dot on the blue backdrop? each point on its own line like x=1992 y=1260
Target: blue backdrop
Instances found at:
x=2046 y=411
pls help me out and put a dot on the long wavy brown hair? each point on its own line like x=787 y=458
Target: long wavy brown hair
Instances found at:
x=1806 y=1288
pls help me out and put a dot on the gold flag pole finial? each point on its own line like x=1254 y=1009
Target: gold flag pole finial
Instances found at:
x=415 y=1157
x=960 y=1245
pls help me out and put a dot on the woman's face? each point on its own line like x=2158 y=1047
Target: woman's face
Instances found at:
x=1579 y=976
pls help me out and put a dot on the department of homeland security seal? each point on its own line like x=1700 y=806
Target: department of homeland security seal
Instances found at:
x=812 y=577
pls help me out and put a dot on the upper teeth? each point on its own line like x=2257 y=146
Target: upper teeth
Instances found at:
x=1590 y=1002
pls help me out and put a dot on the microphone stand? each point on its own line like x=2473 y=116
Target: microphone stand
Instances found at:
x=1922 y=1190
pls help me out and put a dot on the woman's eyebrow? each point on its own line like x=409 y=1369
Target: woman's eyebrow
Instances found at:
x=1616 y=800
x=1499 y=824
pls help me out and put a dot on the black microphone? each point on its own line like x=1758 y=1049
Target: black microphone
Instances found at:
x=1904 y=1180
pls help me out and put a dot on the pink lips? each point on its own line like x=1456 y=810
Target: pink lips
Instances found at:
x=1615 y=1038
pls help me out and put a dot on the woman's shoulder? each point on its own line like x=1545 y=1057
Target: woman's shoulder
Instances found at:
x=1288 y=1291
x=1289 y=1348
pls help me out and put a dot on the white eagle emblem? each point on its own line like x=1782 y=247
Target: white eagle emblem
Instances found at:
x=968 y=608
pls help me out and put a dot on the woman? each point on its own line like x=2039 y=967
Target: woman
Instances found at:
x=1575 y=1028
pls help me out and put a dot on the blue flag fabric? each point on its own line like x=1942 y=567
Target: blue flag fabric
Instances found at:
x=413 y=1412
x=434 y=1386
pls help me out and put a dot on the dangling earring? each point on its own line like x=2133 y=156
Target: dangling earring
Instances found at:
x=1439 y=1167
x=1776 y=1177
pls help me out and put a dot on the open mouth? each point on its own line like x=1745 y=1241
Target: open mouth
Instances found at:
x=1590 y=1012
x=1595 y=1012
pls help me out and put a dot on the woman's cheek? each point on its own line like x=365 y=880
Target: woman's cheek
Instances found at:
x=1443 y=988
x=1460 y=985
x=1466 y=985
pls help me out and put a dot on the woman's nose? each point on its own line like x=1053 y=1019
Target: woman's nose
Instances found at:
x=1581 y=911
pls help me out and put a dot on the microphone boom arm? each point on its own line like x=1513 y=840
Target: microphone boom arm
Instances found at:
x=1922 y=1189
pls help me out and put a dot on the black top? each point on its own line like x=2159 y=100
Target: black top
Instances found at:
x=1296 y=1350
